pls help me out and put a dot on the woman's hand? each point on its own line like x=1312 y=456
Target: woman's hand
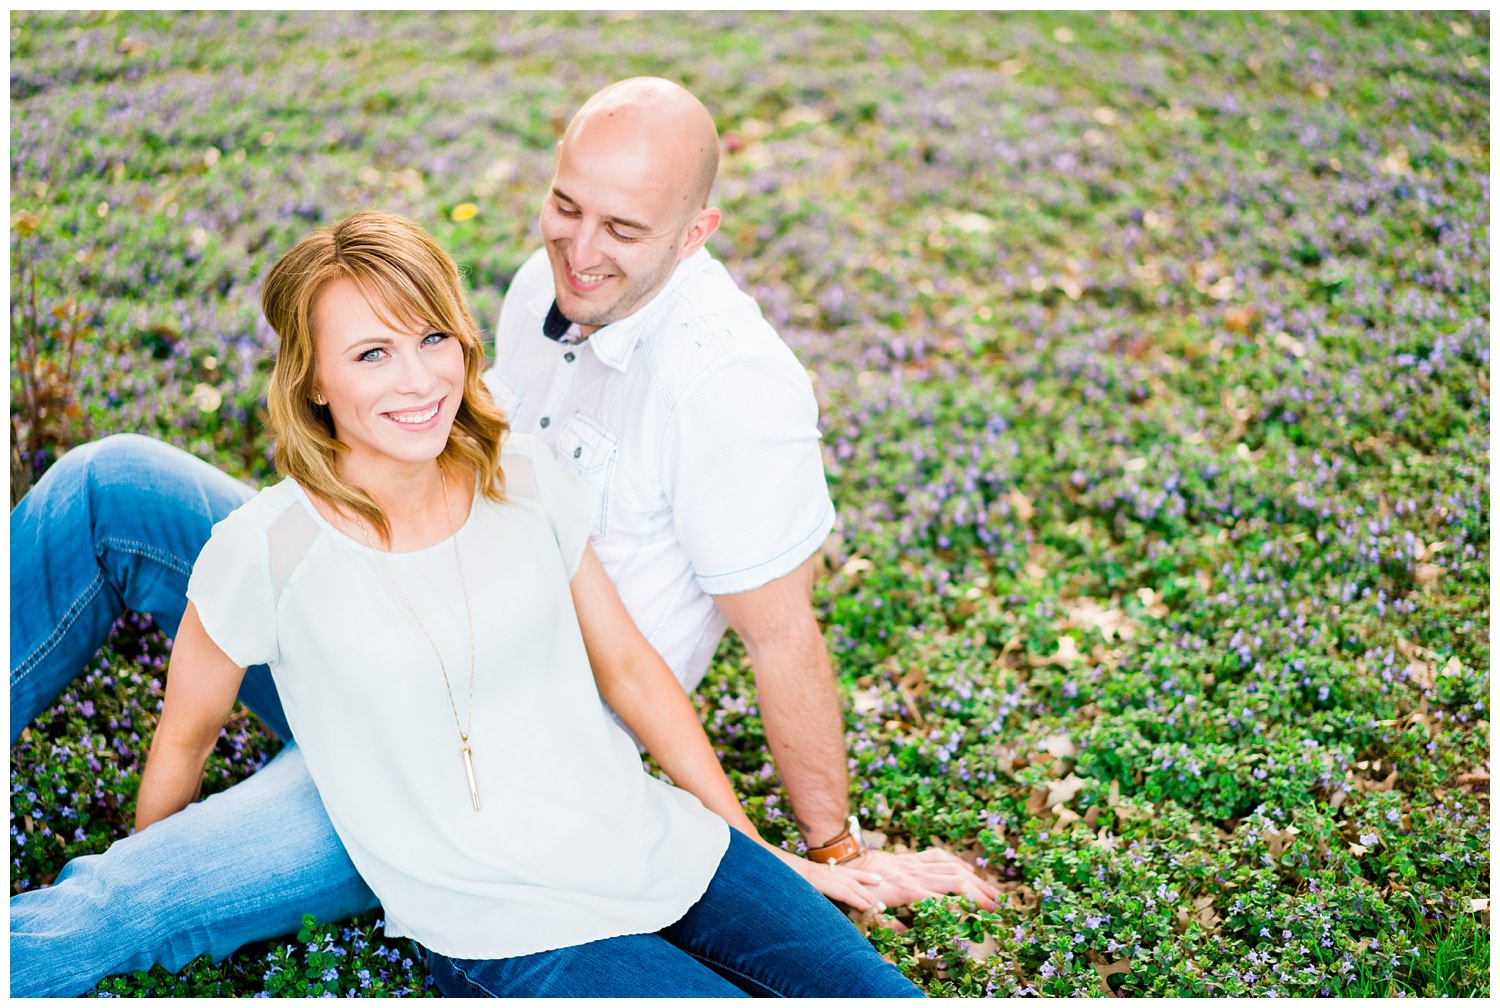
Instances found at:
x=853 y=887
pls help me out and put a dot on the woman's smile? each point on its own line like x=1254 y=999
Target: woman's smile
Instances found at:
x=420 y=419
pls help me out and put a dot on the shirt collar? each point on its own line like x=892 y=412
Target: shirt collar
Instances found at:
x=613 y=343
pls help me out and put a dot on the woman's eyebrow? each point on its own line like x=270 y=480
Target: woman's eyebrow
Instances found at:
x=368 y=341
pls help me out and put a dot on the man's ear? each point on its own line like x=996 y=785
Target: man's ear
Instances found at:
x=705 y=222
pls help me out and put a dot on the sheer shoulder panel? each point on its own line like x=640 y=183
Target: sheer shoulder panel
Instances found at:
x=520 y=477
x=288 y=540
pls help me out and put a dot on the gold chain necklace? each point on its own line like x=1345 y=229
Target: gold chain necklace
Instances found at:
x=463 y=732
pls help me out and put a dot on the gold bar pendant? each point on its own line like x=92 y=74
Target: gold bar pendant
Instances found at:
x=469 y=772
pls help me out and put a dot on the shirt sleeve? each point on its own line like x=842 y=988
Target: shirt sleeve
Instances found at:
x=231 y=588
x=743 y=467
x=566 y=502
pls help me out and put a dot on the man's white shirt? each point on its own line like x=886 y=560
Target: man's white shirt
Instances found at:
x=695 y=430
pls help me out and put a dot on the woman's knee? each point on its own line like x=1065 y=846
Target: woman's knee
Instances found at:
x=108 y=460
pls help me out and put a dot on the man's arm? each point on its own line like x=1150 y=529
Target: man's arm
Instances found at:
x=799 y=701
x=800 y=709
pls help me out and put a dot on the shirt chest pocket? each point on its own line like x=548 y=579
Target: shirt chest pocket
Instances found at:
x=590 y=450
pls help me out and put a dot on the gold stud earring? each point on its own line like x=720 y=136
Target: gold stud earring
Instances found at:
x=318 y=398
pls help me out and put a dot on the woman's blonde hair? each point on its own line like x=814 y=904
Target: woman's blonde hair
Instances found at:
x=410 y=282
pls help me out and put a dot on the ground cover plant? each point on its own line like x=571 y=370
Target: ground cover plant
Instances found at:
x=1152 y=354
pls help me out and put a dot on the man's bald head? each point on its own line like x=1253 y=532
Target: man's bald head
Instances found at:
x=657 y=114
x=629 y=198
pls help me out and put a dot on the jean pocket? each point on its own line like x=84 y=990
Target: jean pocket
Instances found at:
x=590 y=450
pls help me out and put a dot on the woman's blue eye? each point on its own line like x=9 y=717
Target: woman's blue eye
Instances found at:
x=434 y=338
x=370 y=356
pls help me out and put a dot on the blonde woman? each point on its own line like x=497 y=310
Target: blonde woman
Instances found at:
x=444 y=643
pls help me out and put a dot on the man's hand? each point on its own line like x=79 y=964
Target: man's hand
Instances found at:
x=905 y=878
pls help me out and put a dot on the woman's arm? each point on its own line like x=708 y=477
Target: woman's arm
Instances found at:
x=202 y=682
x=635 y=681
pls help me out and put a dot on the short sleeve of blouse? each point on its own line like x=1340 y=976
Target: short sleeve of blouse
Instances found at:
x=566 y=502
x=231 y=588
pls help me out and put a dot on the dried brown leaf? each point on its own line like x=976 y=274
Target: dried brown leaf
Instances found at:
x=1110 y=621
x=1019 y=895
x=1060 y=746
x=1239 y=318
x=1202 y=914
x=982 y=951
x=1021 y=503
x=1107 y=969
x=1062 y=791
x=855 y=565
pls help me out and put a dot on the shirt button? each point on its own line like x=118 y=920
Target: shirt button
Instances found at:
x=546 y=421
x=569 y=356
x=577 y=452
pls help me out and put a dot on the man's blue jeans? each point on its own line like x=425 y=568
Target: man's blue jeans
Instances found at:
x=114 y=525
x=758 y=931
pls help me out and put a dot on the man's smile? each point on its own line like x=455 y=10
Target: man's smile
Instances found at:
x=586 y=281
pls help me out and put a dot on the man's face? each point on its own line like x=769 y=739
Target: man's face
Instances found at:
x=613 y=225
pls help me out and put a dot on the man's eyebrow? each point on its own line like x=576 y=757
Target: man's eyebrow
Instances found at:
x=621 y=221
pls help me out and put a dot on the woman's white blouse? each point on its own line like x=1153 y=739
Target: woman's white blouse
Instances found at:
x=575 y=841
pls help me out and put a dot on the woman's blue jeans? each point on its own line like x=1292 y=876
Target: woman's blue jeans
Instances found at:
x=113 y=525
x=758 y=931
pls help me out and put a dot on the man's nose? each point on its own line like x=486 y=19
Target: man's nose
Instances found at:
x=585 y=250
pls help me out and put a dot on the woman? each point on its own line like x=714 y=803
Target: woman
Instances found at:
x=443 y=640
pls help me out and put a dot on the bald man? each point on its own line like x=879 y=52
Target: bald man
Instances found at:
x=627 y=348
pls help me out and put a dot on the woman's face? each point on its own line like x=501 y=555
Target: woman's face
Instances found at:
x=392 y=394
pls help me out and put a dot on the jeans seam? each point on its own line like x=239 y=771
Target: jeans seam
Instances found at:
x=132 y=547
x=64 y=624
x=468 y=980
x=136 y=548
x=714 y=963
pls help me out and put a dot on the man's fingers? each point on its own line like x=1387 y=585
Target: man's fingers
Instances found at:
x=901 y=888
x=911 y=876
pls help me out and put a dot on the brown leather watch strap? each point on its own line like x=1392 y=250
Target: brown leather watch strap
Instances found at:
x=844 y=847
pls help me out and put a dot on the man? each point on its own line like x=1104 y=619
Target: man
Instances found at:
x=626 y=347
